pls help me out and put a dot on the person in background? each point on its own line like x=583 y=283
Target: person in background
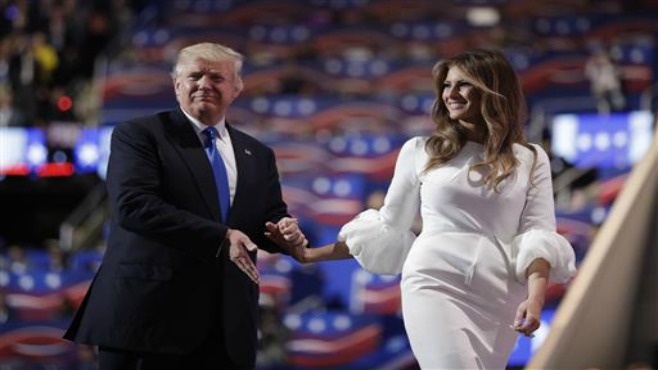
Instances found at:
x=18 y=261
x=191 y=198
x=605 y=82
x=7 y=312
x=10 y=115
x=476 y=275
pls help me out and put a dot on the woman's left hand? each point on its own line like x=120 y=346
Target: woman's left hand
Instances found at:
x=528 y=316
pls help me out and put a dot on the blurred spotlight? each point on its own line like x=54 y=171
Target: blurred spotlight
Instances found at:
x=64 y=103
x=60 y=157
x=482 y=16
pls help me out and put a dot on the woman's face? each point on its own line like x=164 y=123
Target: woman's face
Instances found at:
x=460 y=97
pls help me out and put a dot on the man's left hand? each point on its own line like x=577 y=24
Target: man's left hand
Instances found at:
x=286 y=234
x=239 y=244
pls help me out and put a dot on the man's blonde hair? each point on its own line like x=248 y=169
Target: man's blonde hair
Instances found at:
x=212 y=52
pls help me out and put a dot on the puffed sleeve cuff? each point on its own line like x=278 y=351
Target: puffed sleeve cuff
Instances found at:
x=550 y=246
x=378 y=247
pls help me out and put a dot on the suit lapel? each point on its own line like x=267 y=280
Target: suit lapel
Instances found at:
x=187 y=143
x=244 y=163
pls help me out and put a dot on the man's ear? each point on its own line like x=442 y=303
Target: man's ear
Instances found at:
x=174 y=82
x=239 y=87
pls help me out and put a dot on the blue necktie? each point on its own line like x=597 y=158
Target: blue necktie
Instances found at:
x=219 y=170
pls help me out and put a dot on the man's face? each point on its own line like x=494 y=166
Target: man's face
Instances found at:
x=205 y=89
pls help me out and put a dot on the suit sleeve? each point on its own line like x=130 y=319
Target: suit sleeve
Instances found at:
x=276 y=208
x=135 y=189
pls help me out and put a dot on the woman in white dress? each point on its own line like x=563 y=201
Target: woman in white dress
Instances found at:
x=476 y=275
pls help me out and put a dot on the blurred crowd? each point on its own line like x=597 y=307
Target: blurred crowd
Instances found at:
x=48 y=55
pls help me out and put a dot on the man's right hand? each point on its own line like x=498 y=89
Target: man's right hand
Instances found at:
x=239 y=244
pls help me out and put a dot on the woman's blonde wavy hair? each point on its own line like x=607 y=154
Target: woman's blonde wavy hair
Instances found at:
x=502 y=108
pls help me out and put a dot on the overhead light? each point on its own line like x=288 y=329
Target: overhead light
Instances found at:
x=482 y=16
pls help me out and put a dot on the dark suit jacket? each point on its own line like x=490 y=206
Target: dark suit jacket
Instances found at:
x=161 y=287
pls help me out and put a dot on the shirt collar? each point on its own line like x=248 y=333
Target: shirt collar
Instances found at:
x=199 y=127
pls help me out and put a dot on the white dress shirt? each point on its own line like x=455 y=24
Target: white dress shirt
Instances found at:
x=224 y=146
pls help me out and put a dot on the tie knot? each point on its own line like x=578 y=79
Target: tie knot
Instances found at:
x=211 y=134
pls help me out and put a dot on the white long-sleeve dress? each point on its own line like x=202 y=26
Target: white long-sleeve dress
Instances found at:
x=464 y=275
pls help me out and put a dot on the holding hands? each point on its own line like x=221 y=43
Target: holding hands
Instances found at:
x=287 y=235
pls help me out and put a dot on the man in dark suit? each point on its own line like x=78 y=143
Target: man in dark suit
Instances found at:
x=178 y=285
